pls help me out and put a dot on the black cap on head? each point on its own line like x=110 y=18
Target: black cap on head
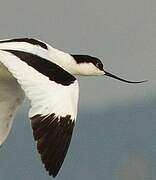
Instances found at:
x=88 y=59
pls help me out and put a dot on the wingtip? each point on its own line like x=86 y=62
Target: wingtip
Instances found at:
x=51 y=171
x=53 y=174
x=53 y=136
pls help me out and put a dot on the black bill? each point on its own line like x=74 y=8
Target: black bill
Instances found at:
x=120 y=79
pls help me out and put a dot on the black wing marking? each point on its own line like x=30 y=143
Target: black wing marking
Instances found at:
x=47 y=68
x=28 y=40
x=53 y=136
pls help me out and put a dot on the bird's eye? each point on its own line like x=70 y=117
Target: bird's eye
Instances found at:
x=99 y=65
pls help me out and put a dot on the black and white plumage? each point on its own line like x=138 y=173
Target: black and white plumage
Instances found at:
x=45 y=75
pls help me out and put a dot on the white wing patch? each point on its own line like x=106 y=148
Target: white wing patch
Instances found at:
x=11 y=96
x=46 y=96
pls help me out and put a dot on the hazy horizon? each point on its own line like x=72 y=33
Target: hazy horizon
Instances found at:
x=115 y=144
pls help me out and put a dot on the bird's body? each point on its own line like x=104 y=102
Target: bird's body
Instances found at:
x=45 y=75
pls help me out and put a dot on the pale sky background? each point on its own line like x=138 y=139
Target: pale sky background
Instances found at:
x=116 y=129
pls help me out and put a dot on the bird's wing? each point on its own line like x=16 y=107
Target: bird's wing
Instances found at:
x=29 y=45
x=53 y=94
x=23 y=43
x=11 y=96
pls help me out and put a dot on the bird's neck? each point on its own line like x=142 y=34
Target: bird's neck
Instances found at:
x=72 y=65
x=64 y=60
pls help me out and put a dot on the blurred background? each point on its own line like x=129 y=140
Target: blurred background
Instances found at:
x=115 y=134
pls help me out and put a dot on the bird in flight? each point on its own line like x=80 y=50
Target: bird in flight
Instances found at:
x=32 y=68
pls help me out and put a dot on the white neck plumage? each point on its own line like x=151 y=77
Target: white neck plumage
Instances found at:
x=64 y=60
x=67 y=62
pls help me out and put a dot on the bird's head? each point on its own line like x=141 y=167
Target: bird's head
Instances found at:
x=92 y=66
